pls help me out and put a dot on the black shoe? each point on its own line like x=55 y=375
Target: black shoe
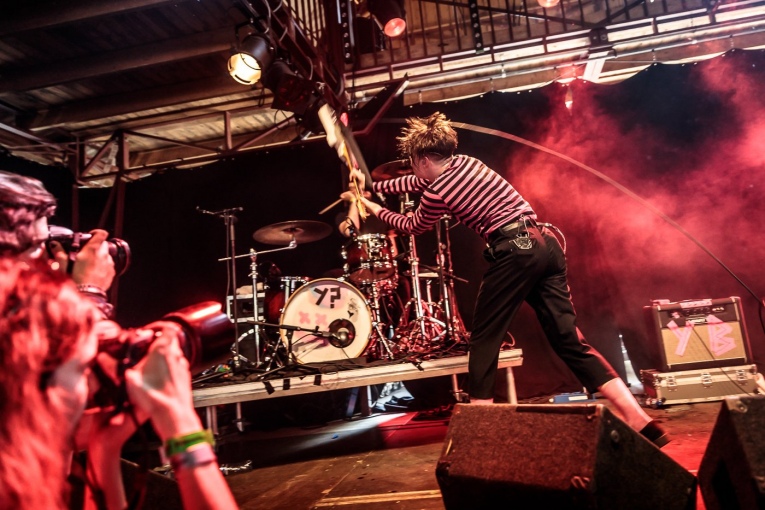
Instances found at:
x=655 y=433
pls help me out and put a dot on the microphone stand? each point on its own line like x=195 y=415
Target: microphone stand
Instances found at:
x=229 y=219
x=291 y=358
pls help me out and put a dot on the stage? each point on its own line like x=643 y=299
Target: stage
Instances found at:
x=388 y=460
x=306 y=379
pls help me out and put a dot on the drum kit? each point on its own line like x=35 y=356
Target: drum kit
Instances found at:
x=382 y=307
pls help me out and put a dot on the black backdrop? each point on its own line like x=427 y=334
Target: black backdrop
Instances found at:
x=683 y=138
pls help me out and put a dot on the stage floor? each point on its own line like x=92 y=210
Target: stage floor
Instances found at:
x=387 y=460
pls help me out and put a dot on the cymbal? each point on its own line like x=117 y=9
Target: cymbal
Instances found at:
x=302 y=231
x=392 y=169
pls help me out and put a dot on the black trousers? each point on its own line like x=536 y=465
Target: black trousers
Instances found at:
x=538 y=276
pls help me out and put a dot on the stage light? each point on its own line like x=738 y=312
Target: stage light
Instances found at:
x=390 y=14
x=251 y=59
x=291 y=92
x=548 y=3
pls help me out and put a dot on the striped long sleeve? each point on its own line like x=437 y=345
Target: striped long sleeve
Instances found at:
x=469 y=190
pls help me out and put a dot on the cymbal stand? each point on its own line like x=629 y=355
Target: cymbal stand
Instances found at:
x=381 y=339
x=253 y=255
x=455 y=327
x=414 y=263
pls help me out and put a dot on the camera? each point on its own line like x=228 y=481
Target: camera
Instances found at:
x=72 y=242
x=204 y=333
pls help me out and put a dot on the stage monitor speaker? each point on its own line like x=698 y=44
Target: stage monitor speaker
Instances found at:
x=701 y=333
x=573 y=456
x=732 y=471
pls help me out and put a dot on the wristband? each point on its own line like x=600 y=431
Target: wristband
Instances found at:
x=94 y=290
x=181 y=444
x=98 y=296
x=199 y=455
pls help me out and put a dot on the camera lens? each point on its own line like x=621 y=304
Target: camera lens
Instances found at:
x=120 y=252
x=72 y=242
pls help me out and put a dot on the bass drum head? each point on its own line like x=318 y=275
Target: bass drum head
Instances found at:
x=327 y=305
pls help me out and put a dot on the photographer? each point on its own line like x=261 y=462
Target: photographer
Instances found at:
x=50 y=345
x=25 y=207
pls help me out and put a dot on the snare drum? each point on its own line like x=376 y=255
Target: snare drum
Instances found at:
x=368 y=259
x=327 y=305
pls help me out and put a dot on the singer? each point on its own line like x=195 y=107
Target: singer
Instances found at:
x=526 y=262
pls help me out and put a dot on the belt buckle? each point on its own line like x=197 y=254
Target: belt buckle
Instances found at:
x=523 y=241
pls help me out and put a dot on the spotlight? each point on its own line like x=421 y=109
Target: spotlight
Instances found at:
x=548 y=3
x=369 y=37
x=251 y=59
x=291 y=92
x=390 y=14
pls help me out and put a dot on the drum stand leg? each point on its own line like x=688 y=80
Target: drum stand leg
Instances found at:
x=455 y=328
x=419 y=331
x=292 y=361
x=381 y=339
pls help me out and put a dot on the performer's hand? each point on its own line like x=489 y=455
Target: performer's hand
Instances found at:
x=350 y=196
x=359 y=177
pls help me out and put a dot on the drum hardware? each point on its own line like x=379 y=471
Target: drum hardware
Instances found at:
x=379 y=339
x=424 y=324
x=290 y=234
x=429 y=278
x=340 y=337
x=256 y=296
x=455 y=328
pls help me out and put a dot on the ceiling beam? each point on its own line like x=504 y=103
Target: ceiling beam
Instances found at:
x=55 y=73
x=24 y=16
x=163 y=97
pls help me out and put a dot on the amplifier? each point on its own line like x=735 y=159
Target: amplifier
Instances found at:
x=701 y=333
x=245 y=307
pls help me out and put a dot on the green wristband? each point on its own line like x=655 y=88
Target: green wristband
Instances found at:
x=180 y=444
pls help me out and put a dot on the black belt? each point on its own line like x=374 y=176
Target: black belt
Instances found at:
x=509 y=229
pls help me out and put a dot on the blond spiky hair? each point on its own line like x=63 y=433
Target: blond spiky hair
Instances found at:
x=429 y=135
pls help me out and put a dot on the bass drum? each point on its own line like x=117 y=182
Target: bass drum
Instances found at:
x=333 y=307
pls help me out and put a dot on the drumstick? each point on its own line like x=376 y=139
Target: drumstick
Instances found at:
x=330 y=206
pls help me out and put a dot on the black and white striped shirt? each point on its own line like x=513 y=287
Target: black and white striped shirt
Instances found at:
x=469 y=190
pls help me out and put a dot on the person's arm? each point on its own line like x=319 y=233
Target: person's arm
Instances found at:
x=426 y=215
x=101 y=433
x=160 y=385
x=352 y=219
x=106 y=435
